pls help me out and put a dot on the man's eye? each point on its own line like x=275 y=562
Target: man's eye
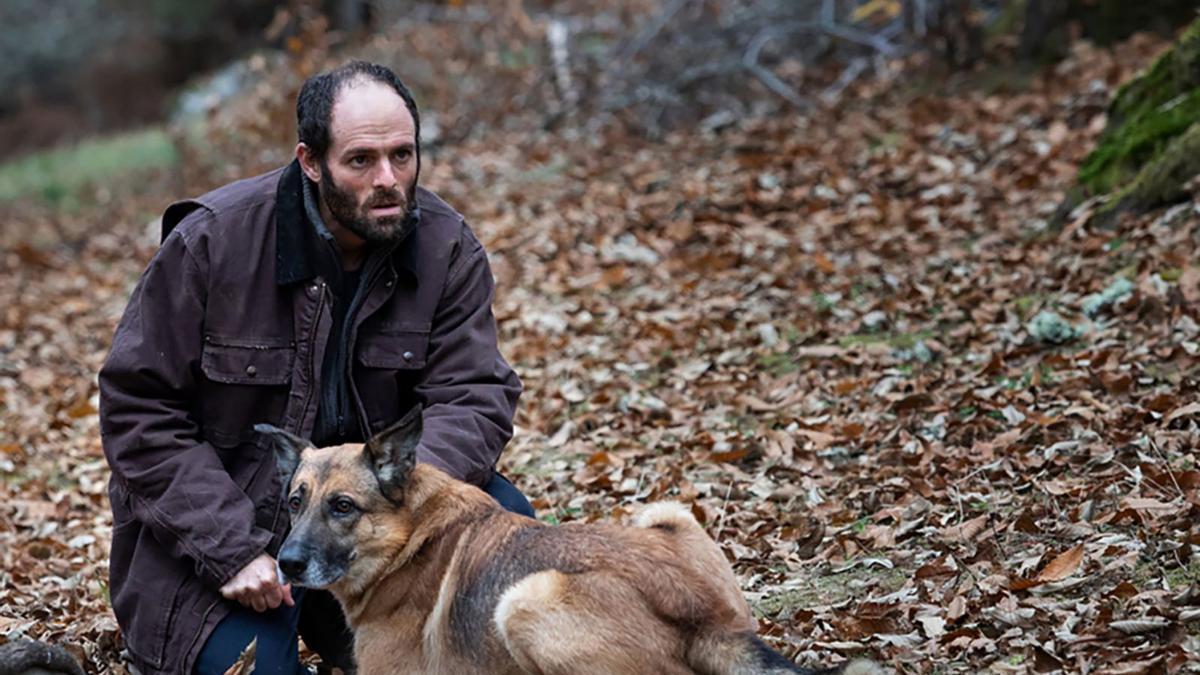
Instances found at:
x=294 y=503
x=358 y=161
x=343 y=506
x=403 y=155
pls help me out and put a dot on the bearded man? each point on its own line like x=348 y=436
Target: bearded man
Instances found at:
x=327 y=298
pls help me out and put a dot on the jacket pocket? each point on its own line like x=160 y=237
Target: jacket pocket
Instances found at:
x=390 y=364
x=246 y=381
x=395 y=349
x=250 y=361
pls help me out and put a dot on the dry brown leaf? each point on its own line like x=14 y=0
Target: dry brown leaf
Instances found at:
x=966 y=531
x=1064 y=565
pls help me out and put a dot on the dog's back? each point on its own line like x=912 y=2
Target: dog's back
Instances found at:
x=656 y=597
x=435 y=577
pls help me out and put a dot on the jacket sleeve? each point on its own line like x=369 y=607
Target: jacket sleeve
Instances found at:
x=468 y=390
x=173 y=482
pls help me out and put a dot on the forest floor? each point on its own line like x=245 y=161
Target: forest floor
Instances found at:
x=923 y=426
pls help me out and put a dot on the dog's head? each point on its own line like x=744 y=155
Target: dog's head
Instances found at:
x=346 y=503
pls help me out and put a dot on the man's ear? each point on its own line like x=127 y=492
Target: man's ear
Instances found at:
x=288 y=447
x=310 y=164
x=392 y=453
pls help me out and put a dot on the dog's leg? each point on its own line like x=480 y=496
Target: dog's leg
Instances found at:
x=559 y=624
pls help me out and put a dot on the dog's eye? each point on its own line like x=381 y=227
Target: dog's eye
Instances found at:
x=294 y=503
x=343 y=506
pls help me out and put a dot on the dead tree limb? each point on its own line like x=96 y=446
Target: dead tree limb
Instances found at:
x=764 y=75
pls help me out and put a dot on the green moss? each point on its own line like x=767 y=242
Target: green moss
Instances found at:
x=1146 y=116
x=1182 y=577
x=1161 y=180
x=1137 y=142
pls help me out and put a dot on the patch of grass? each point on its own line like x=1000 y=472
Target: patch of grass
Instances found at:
x=822 y=302
x=831 y=588
x=560 y=515
x=778 y=364
x=58 y=176
x=894 y=340
x=1179 y=578
x=1148 y=574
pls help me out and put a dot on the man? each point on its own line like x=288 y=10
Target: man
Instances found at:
x=326 y=298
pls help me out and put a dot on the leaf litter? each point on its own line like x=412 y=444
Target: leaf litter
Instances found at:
x=818 y=332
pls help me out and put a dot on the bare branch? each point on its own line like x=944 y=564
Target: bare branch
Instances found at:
x=768 y=78
x=920 y=18
x=849 y=75
x=652 y=29
x=556 y=35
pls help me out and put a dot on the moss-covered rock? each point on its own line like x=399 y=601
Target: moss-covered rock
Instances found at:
x=1147 y=114
x=1161 y=181
x=1151 y=145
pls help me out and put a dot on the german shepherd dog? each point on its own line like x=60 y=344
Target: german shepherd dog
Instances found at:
x=435 y=577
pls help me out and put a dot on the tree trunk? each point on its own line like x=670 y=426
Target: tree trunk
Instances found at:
x=1048 y=22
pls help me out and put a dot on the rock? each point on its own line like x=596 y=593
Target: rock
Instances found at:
x=1094 y=303
x=1052 y=328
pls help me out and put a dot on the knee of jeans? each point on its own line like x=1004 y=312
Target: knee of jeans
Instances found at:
x=508 y=496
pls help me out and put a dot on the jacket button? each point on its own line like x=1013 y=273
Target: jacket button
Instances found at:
x=408 y=356
x=251 y=371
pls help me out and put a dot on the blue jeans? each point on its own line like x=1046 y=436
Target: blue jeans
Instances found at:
x=316 y=616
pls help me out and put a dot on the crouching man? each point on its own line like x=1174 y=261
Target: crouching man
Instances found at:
x=327 y=298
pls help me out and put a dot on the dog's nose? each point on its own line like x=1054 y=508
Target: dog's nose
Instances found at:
x=292 y=565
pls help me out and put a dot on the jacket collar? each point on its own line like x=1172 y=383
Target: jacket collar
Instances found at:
x=298 y=244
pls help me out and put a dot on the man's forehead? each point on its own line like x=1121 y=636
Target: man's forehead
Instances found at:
x=369 y=106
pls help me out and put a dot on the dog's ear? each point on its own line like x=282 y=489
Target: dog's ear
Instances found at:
x=392 y=453
x=288 y=447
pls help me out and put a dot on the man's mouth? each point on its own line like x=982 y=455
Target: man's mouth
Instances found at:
x=386 y=209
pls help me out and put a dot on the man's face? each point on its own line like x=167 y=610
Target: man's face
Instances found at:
x=368 y=177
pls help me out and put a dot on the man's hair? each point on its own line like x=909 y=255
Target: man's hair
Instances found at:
x=314 y=105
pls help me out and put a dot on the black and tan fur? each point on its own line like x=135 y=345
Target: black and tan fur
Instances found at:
x=435 y=577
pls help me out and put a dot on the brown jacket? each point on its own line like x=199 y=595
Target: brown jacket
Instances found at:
x=226 y=329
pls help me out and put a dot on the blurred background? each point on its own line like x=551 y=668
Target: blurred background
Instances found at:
x=171 y=83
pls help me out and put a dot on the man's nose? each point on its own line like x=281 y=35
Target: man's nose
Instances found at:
x=385 y=176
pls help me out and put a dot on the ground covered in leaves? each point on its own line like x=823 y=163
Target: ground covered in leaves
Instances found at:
x=923 y=426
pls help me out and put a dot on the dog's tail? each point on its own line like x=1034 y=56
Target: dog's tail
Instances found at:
x=743 y=653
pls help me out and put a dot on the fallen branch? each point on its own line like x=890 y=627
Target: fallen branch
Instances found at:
x=764 y=75
x=556 y=35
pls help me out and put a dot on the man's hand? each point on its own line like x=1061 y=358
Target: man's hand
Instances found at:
x=257 y=586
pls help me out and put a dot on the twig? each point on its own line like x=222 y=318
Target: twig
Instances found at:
x=849 y=75
x=1167 y=465
x=724 y=510
x=652 y=29
x=768 y=78
x=877 y=42
x=828 y=12
x=556 y=35
x=920 y=18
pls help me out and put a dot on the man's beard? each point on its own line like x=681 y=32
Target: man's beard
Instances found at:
x=358 y=219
